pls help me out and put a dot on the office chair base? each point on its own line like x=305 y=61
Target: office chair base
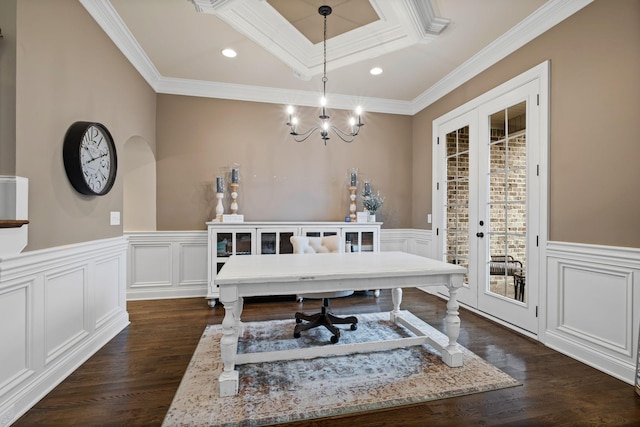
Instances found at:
x=326 y=319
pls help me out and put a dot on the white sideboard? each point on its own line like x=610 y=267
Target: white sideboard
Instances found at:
x=264 y=238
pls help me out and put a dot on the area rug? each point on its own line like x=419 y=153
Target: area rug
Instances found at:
x=277 y=392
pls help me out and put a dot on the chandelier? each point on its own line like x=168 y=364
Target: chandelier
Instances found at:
x=325 y=126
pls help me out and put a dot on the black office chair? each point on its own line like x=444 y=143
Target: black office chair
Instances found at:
x=313 y=245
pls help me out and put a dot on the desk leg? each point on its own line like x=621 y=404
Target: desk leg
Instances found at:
x=229 y=379
x=237 y=312
x=396 y=297
x=452 y=355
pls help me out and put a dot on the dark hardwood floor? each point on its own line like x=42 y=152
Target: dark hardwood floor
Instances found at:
x=131 y=381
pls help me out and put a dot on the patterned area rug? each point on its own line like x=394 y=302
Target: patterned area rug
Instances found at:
x=277 y=392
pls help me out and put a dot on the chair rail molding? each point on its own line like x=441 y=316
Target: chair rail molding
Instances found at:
x=58 y=306
x=593 y=295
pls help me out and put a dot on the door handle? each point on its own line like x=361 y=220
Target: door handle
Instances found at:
x=480 y=234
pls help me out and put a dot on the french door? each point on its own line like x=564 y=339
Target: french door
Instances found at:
x=487 y=206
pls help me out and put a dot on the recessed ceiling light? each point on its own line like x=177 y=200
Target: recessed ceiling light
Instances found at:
x=375 y=71
x=229 y=53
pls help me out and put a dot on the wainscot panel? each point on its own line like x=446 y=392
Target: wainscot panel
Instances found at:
x=413 y=241
x=58 y=306
x=167 y=264
x=593 y=308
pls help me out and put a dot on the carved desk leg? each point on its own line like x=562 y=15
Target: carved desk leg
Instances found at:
x=229 y=379
x=452 y=355
x=396 y=297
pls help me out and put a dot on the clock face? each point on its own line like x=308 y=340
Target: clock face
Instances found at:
x=95 y=159
x=90 y=159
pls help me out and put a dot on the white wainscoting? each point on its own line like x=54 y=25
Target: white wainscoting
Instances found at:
x=58 y=306
x=173 y=264
x=593 y=309
x=592 y=291
x=413 y=241
x=167 y=264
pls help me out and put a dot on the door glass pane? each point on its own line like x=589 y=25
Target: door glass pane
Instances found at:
x=507 y=202
x=457 y=202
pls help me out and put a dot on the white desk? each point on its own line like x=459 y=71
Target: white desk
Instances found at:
x=249 y=275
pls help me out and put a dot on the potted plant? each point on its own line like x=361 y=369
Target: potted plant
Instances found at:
x=372 y=202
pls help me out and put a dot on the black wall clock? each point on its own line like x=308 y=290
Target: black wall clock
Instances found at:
x=90 y=158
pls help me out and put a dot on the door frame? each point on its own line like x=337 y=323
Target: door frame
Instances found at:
x=540 y=74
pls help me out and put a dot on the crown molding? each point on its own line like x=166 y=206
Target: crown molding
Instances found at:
x=207 y=89
x=401 y=24
x=111 y=23
x=547 y=16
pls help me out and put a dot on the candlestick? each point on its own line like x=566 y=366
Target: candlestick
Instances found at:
x=234 y=198
x=219 y=206
x=352 y=205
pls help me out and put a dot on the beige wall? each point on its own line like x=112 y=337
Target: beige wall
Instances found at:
x=280 y=179
x=74 y=72
x=595 y=108
x=8 y=22
x=69 y=70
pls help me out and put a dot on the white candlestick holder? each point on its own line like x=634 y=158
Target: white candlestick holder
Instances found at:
x=219 y=207
x=234 y=197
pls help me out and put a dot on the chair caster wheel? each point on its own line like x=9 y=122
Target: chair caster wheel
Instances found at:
x=298 y=320
x=354 y=326
x=296 y=334
x=334 y=339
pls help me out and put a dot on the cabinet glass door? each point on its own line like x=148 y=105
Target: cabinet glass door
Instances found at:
x=243 y=244
x=233 y=243
x=310 y=232
x=359 y=241
x=224 y=244
x=366 y=241
x=275 y=242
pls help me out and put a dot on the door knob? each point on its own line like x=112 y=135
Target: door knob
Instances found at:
x=480 y=234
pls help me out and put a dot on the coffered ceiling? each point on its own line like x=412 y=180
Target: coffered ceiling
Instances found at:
x=425 y=48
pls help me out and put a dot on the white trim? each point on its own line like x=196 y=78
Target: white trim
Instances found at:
x=159 y=267
x=410 y=240
x=606 y=281
x=547 y=16
x=471 y=113
x=615 y=360
x=65 y=304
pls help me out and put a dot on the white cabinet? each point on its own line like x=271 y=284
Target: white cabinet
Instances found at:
x=265 y=238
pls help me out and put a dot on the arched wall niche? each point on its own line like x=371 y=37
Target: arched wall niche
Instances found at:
x=139 y=171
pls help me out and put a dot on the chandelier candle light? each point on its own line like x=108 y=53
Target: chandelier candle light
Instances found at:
x=325 y=126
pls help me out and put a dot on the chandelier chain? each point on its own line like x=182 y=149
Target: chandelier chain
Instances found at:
x=325 y=126
x=324 y=55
